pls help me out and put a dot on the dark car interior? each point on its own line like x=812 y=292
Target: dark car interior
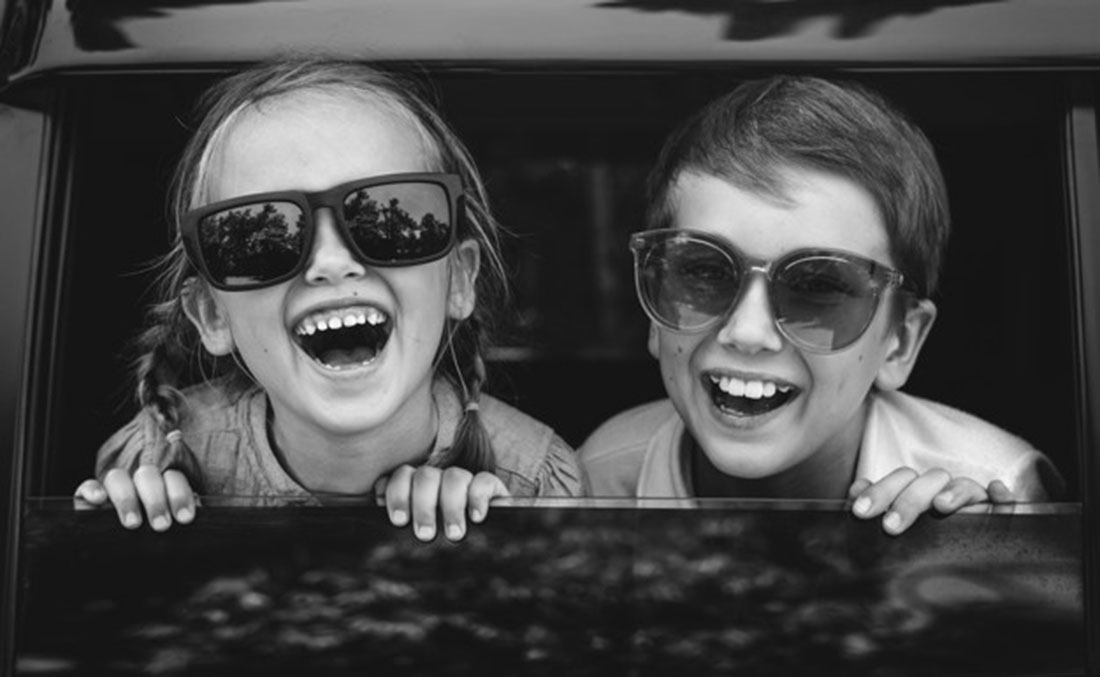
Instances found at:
x=565 y=155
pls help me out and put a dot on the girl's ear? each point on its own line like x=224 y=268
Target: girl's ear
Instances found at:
x=209 y=318
x=465 y=263
x=907 y=338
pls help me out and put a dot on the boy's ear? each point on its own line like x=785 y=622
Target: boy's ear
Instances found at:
x=465 y=263
x=906 y=337
x=209 y=319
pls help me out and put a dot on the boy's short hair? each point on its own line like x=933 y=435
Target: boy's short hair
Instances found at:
x=750 y=134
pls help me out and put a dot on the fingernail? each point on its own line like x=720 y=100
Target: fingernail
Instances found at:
x=159 y=523
x=861 y=506
x=130 y=520
x=96 y=493
x=892 y=522
x=948 y=497
x=425 y=532
x=454 y=532
x=476 y=515
x=185 y=515
x=399 y=517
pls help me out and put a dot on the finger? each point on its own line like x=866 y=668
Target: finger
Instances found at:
x=876 y=498
x=959 y=493
x=452 y=501
x=485 y=487
x=180 y=496
x=120 y=489
x=858 y=487
x=914 y=499
x=399 y=494
x=1000 y=493
x=380 y=489
x=90 y=494
x=425 y=501
x=150 y=489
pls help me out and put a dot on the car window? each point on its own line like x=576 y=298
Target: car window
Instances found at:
x=565 y=156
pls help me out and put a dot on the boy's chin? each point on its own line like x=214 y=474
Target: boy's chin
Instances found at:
x=746 y=461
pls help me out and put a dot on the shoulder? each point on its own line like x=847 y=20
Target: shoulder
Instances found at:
x=530 y=457
x=613 y=454
x=215 y=404
x=926 y=434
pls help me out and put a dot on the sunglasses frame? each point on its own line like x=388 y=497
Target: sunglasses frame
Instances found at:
x=642 y=243
x=309 y=203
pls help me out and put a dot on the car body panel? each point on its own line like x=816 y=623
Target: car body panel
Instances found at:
x=79 y=35
x=23 y=145
x=606 y=587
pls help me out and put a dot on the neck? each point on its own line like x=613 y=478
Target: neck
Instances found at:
x=827 y=473
x=351 y=463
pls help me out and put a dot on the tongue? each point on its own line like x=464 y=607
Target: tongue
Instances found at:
x=336 y=357
x=746 y=406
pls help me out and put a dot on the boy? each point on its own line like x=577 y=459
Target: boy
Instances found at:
x=796 y=231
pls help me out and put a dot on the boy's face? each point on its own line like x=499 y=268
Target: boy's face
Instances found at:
x=824 y=412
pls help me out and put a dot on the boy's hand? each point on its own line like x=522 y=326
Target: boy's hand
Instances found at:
x=904 y=494
x=161 y=495
x=452 y=491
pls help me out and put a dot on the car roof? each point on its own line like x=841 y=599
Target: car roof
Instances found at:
x=40 y=36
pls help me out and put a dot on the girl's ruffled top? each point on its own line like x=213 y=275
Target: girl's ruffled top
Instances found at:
x=225 y=448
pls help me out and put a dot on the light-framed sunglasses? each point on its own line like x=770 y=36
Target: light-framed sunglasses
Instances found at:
x=823 y=300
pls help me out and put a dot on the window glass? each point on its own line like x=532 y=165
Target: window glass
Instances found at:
x=565 y=156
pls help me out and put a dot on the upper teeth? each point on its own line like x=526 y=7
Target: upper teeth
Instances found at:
x=753 y=390
x=338 y=319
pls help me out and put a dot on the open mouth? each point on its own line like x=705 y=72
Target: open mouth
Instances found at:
x=345 y=337
x=748 y=397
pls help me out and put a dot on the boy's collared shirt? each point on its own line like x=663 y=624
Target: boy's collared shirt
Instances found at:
x=640 y=452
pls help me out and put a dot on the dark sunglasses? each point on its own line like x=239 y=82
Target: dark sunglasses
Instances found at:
x=823 y=299
x=260 y=240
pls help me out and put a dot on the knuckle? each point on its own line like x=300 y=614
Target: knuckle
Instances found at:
x=458 y=473
x=907 y=473
x=115 y=475
x=939 y=475
x=146 y=471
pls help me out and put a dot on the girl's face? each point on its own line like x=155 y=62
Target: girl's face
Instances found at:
x=822 y=416
x=312 y=141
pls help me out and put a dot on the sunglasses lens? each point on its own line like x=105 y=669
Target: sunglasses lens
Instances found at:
x=399 y=222
x=824 y=303
x=685 y=283
x=252 y=244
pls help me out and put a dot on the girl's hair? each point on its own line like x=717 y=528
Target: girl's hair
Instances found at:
x=749 y=135
x=170 y=352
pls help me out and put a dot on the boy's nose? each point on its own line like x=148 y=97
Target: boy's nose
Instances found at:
x=331 y=260
x=751 y=327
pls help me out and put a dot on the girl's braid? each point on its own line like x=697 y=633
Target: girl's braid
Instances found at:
x=160 y=370
x=471 y=448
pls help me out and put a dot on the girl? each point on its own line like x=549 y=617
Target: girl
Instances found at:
x=335 y=257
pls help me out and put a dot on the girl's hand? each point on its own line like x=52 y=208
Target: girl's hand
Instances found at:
x=904 y=494
x=161 y=495
x=421 y=492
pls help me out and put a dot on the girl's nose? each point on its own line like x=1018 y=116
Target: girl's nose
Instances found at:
x=751 y=327
x=331 y=260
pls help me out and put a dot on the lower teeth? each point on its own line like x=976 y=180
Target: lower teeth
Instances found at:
x=344 y=358
x=746 y=406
